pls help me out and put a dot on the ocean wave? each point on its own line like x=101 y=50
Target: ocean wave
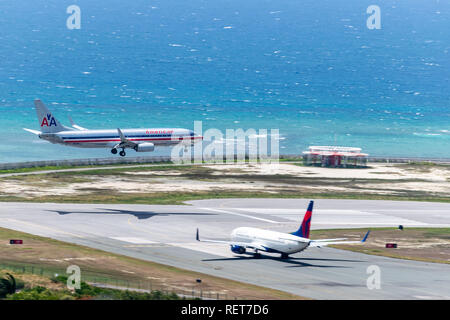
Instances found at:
x=431 y=135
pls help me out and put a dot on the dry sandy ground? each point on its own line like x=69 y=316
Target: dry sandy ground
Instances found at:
x=374 y=171
x=377 y=179
x=413 y=243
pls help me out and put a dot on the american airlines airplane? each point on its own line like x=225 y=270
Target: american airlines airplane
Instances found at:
x=278 y=242
x=141 y=140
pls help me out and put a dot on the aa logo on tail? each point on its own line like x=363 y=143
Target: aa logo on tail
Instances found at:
x=46 y=120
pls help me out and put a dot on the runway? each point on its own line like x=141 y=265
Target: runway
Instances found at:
x=166 y=234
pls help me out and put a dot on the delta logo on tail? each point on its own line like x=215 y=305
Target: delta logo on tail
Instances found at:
x=46 y=120
x=303 y=231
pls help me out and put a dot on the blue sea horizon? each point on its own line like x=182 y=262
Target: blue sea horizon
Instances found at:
x=311 y=69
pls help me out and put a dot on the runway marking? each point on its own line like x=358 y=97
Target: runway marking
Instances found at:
x=34 y=225
x=142 y=228
x=329 y=217
x=240 y=214
x=374 y=223
x=209 y=248
x=137 y=227
x=154 y=245
x=134 y=240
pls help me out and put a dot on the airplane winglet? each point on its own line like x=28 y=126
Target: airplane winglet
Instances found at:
x=32 y=131
x=122 y=137
x=71 y=121
x=74 y=125
x=366 y=236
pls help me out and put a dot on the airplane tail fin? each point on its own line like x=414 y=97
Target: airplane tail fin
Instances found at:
x=366 y=236
x=303 y=231
x=47 y=121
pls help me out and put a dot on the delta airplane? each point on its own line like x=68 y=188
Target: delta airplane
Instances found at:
x=278 y=242
x=141 y=140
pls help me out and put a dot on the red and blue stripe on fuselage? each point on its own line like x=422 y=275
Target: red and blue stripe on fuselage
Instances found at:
x=107 y=138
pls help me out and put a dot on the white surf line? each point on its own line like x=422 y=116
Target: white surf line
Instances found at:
x=239 y=214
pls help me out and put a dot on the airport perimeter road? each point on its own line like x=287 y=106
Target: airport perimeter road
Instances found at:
x=166 y=234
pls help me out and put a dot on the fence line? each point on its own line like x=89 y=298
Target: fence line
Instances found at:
x=166 y=159
x=120 y=284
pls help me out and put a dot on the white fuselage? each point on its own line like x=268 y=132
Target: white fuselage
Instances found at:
x=110 y=138
x=272 y=241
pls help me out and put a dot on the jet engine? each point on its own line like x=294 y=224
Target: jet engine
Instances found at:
x=145 y=147
x=238 y=249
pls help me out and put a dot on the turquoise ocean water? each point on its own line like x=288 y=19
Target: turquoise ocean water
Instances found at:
x=312 y=69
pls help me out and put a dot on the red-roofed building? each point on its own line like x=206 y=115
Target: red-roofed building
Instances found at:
x=330 y=156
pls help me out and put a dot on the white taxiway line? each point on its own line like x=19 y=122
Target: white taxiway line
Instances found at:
x=240 y=214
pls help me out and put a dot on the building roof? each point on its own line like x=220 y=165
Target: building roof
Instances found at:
x=335 y=151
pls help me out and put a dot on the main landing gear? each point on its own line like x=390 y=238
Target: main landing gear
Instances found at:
x=122 y=153
x=284 y=256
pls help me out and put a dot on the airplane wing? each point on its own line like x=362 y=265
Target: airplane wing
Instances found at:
x=323 y=243
x=300 y=239
x=75 y=125
x=251 y=245
x=32 y=131
x=124 y=142
x=326 y=240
